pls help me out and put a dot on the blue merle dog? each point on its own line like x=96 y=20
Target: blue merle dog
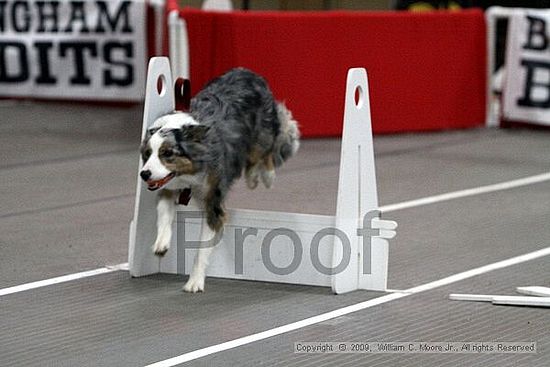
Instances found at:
x=233 y=125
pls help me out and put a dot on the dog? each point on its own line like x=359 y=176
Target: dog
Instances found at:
x=233 y=125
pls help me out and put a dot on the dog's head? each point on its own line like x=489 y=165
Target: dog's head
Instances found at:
x=172 y=147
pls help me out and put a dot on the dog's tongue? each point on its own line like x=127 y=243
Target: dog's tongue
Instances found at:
x=153 y=185
x=185 y=196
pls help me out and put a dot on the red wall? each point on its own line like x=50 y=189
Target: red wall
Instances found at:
x=426 y=71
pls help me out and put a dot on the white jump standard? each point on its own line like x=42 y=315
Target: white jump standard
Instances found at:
x=347 y=251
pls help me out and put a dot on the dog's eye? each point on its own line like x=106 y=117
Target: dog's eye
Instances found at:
x=167 y=153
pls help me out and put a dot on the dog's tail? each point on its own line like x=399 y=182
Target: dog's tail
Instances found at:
x=287 y=141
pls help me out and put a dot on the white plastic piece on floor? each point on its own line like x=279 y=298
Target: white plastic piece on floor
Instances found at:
x=521 y=301
x=534 y=291
x=471 y=297
x=503 y=300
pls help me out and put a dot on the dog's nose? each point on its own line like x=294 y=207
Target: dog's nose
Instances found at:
x=145 y=175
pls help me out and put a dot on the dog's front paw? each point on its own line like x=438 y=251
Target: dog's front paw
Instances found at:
x=160 y=248
x=162 y=243
x=195 y=283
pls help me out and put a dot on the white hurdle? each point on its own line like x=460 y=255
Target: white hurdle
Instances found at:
x=278 y=246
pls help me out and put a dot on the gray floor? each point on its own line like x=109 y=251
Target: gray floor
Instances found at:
x=68 y=181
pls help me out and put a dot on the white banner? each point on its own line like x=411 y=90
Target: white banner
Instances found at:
x=527 y=86
x=63 y=49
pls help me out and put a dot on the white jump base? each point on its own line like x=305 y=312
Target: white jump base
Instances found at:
x=357 y=195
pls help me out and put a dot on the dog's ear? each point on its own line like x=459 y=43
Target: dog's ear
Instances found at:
x=145 y=142
x=152 y=130
x=143 y=148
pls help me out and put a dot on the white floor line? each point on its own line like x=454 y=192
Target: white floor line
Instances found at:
x=468 y=192
x=199 y=353
x=62 y=279
x=384 y=209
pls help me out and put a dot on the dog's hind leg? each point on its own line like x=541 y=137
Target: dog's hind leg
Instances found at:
x=252 y=176
x=268 y=171
x=166 y=209
x=253 y=168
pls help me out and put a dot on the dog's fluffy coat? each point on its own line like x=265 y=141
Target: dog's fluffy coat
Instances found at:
x=234 y=125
